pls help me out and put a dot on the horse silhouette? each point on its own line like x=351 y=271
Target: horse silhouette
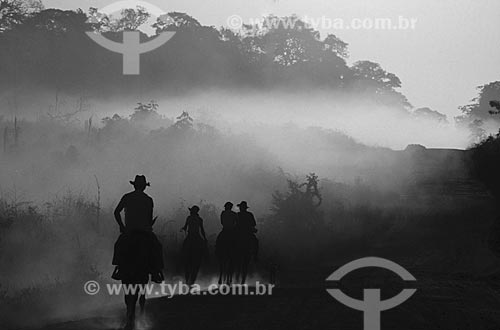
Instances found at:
x=138 y=253
x=225 y=245
x=134 y=272
x=225 y=250
x=247 y=245
x=194 y=246
x=246 y=249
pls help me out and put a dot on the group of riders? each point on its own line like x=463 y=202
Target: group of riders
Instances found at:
x=138 y=252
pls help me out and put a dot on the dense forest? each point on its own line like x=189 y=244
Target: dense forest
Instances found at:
x=49 y=50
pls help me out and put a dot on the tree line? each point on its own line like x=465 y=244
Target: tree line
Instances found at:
x=48 y=49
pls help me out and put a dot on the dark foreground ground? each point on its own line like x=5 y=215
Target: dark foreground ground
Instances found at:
x=441 y=302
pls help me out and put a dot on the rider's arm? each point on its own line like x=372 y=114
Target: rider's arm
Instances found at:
x=150 y=212
x=254 y=223
x=118 y=216
x=185 y=225
x=202 y=229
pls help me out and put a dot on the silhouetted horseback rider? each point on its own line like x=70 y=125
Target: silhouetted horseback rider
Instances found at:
x=138 y=227
x=195 y=244
x=225 y=239
x=225 y=243
x=228 y=217
x=246 y=242
x=246 y=220
x=245 y=226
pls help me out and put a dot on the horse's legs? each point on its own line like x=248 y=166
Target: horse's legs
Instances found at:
x=237 y=270
x=256 y=249
x=244 y=269
x=221 y=271
x=130 y=301
x=194 y=270
x=226 y=272
x=142 y=303
x=229 y=271
x=230 y=277
x=187 y=270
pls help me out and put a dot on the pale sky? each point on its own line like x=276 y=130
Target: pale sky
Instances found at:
x=454 y=47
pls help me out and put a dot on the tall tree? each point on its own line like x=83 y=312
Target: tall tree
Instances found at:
x=13 y=12
x=130 y=19
x=481 y=107
x=373 y=74
x=336 y=45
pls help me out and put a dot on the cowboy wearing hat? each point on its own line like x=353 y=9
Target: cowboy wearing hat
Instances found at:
x=228 y=217
x=246 y=220
x=246 y=226
x=194 y=223
x=138 y=208
x=194 y=247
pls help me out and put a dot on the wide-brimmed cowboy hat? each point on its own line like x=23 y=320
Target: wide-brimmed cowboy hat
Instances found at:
x=140 y=180
x=243 y=205
x=194 y=208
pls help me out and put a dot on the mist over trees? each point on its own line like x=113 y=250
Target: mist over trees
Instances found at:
x=484 y=104
x=319 y=195
x=428 y=113
x=49 y=50
x=486 y=152
x=481 y=115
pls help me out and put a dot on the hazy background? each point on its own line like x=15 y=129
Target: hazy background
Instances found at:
x=217 y=116
x=451 y=51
